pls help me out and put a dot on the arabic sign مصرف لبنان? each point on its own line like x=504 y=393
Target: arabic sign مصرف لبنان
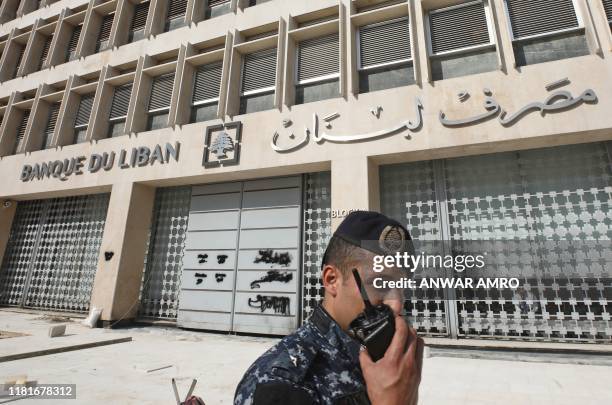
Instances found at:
x=561 y=100
x=139 y=157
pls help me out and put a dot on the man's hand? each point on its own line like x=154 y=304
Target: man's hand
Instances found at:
x=395 y=379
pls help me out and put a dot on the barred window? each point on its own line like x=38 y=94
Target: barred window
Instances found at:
x=139 y=21
x=72 y=44
x=44 y=54
x=21 y=131
x=205 y=100
x=177 y=9
x=159 y=102
x=385 y=55
x=47 y=140
x=82 y=118
x=105 y=31
x=119 y=109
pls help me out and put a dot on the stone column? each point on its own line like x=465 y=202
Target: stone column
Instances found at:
x=355 y=186
x=117 y=283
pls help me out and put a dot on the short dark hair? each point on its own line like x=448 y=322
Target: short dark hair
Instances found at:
x=344 y=255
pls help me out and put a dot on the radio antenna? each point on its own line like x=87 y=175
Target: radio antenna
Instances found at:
x=364 y=295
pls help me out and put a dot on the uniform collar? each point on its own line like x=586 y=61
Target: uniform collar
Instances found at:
x=333 y=333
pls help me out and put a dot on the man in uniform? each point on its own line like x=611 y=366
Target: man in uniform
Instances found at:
x=320 y=363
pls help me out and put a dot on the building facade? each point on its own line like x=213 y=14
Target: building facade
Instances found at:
x=188 y=160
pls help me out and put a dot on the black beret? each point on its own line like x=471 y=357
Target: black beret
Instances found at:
x=374 y=232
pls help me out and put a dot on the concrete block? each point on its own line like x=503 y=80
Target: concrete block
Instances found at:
x=57 y=330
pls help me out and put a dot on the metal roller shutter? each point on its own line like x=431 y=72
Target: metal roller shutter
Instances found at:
x=121 y=101
x=21 y=130
x=608 y=8
x=318 y=57
x=84 y=111
x=214 y=3
x=458 y=27
x=19 y=58
x=105 y=31
x=536 y=17
x=384 y=43
x=259 y=70
x=45 y=52
x=50 y=128
x=141 y=13
x=207 y=82
x=177 y=9
x=161 y=92
x=74 y=40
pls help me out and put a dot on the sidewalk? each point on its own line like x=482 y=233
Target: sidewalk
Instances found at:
x=121 y=373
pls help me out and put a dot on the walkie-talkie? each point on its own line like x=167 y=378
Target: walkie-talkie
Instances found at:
x=373 y=328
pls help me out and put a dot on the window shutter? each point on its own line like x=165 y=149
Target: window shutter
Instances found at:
x=121 y=101
x=161 y=92
x=21 y=130
x=19 y=58
x=105 y=31
x=141 y=13
x=531 y=17
x=74 y=40
x=458 y=27
x=384 y=43
x=48 y=136
x=84 y=111
x=177 y=9
x=207 y=82
x=45 y=52
x=259 y=70
x=214 y=3
x=608 y=7
x=318 y=57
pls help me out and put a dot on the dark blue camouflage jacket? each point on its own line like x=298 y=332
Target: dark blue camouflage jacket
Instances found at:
x=318 y=364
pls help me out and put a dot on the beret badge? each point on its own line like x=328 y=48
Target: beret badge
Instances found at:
x=392 y=239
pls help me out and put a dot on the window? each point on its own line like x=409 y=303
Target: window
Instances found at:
x=461 y=41
x=119 y=110
x=50 y=128
x=318 y=69
x=72 y=44
x=215 y=8
x=159 y=103
x=258 y=81
x=21 y=130
x=139 y=21
x=608 y=8
x=207 y=83
x=20 y=52
x=385 y=55
x=176 y=14
x=82 y=118
x=45 y=52
x=105 y=32
x=545 y=30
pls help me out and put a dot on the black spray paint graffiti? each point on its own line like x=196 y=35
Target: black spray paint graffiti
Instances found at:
x=280 y=305
x=202 y=258
x=268 y=256
x=272 y=275
x=221 y=259
x=200 y=278
x=220 y=277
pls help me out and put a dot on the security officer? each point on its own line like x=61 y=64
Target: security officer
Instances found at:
x=320 y=363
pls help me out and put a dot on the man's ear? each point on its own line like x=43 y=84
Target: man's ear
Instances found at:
x=331 y=279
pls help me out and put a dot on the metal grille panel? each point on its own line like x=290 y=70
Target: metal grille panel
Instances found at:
x=316 y=234
x=319 y=57
x=384 y=43
x=408 y=194
x=259 y=70
x=121 y=101
x=458 y=27
x=207 y=82
x=52 y=254
x=161 y=92
x=534 y=17
x=161 y=282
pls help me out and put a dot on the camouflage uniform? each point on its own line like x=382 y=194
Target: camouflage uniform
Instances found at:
x=318 y=364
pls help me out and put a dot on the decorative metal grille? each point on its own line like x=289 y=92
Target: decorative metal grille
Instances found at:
x=52 y=255
x=548 y=213
x=317 y=232
x=408 y=194
x=161 y=281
